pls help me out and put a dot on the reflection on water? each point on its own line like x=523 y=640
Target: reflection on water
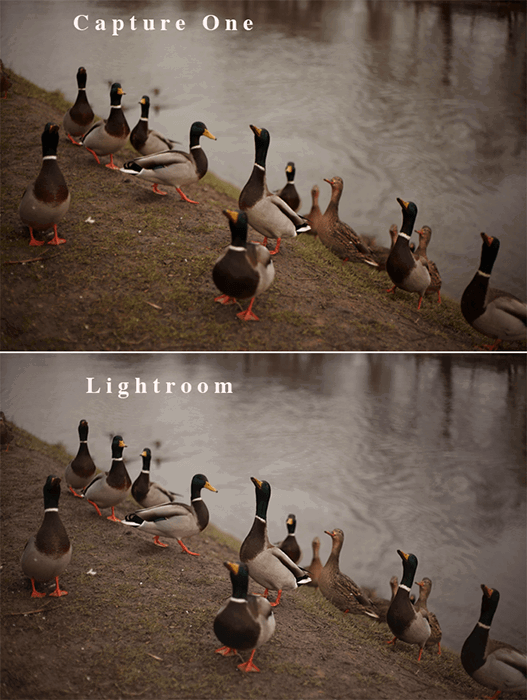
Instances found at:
x=418 y=452
x=420 y=100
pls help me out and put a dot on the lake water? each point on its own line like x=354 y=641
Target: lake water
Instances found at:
x=424 y=453
x=419 y=100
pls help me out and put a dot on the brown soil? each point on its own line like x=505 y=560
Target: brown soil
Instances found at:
x=137 y=620
x=139 y=278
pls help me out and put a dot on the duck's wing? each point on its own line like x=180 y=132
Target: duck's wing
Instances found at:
x=297 y=571
x=508 y=303
x=170 y=143
x=97 y=125
x=164 y=512
x=507 y=654
x=286 y=209
x=163 y=159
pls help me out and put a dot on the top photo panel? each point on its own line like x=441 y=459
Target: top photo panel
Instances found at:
x=299 y=175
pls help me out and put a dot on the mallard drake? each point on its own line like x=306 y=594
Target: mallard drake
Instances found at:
x=290 y=545
x=5 y=82
x=48 y=553
x=108 y=489
x=147 y=493
x=79 y=116
x=244 y=622
x=175 y=520
x=495 y=665
x=491 y=311
x=425 y=235
x=404 y=270
x=288 y=192
x=175 y=168
x=425 y=588
x=108 y=136
x=407 y=623
x=147 y=141
x=46 y=201
x=244 y=270
x=315 y=567
x=6 y=432
x=315 y=214
x=336 y=235
x=81 y=470
x=338 y=588
x=267 y=212
x=267 y=564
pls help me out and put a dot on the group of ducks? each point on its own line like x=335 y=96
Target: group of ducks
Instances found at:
x=245 y=621
x=245 y=269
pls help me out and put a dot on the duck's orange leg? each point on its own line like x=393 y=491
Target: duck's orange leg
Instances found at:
x=248 y=665
x=226 y=651
x=248 y=314
x=57 y=592
x=35 y=593
x=112 y=517
x=159 y=544
x=95 y=506
x=32 y=239
x=187 y=550
x=56 y=240
x=184 y=196
x=111 y=164
x=156 y=190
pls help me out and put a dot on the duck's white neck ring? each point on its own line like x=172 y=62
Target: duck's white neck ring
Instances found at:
x=263 y=520
x=193 y=147
x=405 y=235
x=145 y=471
x=117 y=459
x=83 y=442
x=257 y=165
x=117 y=106
x=196 y=499
x=49 y=158
x=83 y=89
x=51 y=510
x=405 y=588
x=237 y=248
x=485 y=627
x=290 y=182
x=237 y=600
x=483 y=274
x=143 y=119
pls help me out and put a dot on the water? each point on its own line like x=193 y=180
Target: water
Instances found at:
x=424 y=453
x=419 y=100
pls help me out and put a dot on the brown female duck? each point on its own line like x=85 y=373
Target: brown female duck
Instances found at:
x=336 y=235
x=47 y=200
x=316 y=565
x=425 y=235
x=338 y=588
x=425 y=588
x=79 y=116
x=315 y=214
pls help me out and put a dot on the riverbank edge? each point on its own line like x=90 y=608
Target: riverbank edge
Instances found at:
x=382 y=672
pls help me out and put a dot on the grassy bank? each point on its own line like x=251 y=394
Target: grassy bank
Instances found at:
x=137 y=620
x=135 y=272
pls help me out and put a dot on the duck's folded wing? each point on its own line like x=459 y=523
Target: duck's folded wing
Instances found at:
x=508 y=303
x=163 y=159
x=508 y=655
x=286 y=209
x=164 y=511
x=282 y=556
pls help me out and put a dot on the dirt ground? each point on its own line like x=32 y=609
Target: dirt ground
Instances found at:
x=135 y=272
x=138 y=619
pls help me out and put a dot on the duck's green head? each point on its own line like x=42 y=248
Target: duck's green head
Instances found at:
x=145 y=100
x=200 y=481
x=489 y=604
x=290 y=171
x=262 y=139
x=238 y=226
x=239 y=578
x=291 y=522
x=263 y=495
x=409 y=568
x=116 y=93
x=118 y=446
x=409 y=216
x=51 y=492
x=50 y=139
x=489 y=253
x=146 y=453
x=199 y=129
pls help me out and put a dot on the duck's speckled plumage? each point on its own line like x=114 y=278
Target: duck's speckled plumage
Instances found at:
x=48 y=552
x=244 y=622
x=408 y=624
x=339 y=588
x=495 y=665
x=493 y=312
x=81 y=470
x=46 y=201
x=267 y=212
x=425 y=588
x=425 y=236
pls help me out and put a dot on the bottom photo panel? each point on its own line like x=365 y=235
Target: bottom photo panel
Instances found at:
x=254 y=525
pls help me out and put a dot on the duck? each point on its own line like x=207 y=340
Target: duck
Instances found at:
x=290 y=545
x=314 y=215
x=244 y=622
x=495 y=665
x=378 y=252
x=425 y=235
x=108 y=489
x=171 y=167
x=175 y=520
x=46 y=201
x=403 y=269
x=425 y=588
x=338 y=236
x=266 y=212
x=339 y=588
x=315 y=567
x=6 y=432
x=493 y=312
x=79 y=116
x=267 y=564
x=147 y=493
x=5 y=82
x=108 y=136
x=48 y=552
x=408 y=624
x=147 y=141
x=81 y=470
x=244 y=270
x=288 y=192
x=381 y=605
